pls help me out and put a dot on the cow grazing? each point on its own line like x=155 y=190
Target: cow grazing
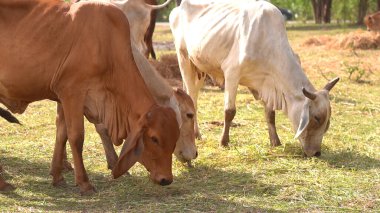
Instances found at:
x=137 y=13
x=244 y=42
x=49 y=51
x=176 y=99
x=372 y=22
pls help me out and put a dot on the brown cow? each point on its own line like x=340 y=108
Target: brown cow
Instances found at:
x=137 y=12
x=49 y=51
x=372 y=22
x=176 y=99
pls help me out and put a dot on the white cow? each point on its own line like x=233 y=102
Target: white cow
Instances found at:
x=244 y=42
x=138 y=14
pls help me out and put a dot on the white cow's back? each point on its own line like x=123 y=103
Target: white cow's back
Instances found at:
x=249 y=34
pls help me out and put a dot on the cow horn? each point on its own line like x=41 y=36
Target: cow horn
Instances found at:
x=331 y=84
x=308 y=94
x=157 y=7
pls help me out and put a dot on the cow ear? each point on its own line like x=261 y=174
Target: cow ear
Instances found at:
x=130 y=153
x=304 y=120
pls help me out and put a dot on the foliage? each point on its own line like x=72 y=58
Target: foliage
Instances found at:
x=355 y=72
x=250 y=176
x=342 y=11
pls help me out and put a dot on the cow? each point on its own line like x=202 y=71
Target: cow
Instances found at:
x=142 y=17
x=49 y=51
x=177 y=99
x=372 y=22
x=244 y=42
x=137 y=12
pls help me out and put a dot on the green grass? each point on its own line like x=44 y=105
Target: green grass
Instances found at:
x=249 y=176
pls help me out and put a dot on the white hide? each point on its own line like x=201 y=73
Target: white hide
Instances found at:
x=243 y=42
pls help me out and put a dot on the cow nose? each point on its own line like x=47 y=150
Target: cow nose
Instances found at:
x=317 y=154
x=165 y=182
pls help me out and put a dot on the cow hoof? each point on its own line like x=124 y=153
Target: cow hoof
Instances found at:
x=59 y=182
x=275 y=143
x=6 y=187
x=87 y=190
x=66 y=166
x=224 y=142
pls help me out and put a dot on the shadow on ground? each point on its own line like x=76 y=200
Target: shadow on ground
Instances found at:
x=215 y=188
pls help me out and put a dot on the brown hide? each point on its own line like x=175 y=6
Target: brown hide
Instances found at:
x=78 y=55
x=372 y=22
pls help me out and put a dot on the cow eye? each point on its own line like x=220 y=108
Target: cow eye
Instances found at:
x=190 y=115
x=154 y=140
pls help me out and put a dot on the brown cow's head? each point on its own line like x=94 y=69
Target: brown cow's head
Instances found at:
x=372 y=22
x=314 y=119
x=151 y=143
x=185 y=149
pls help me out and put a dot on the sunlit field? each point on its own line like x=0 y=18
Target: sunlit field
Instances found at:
x=249 y=176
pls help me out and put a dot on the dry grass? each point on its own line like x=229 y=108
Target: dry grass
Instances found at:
x=248 y=177
x=355 y=40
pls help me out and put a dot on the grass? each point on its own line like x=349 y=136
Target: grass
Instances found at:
x=250 y=176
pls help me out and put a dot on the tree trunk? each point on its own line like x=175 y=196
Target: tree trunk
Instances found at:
x=322 y=10
x=363 y=6
x=378 y=5
x=327 y=11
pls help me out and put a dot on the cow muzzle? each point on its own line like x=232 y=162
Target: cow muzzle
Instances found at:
x=162 y=180
x=312 y=153
x=186 y=156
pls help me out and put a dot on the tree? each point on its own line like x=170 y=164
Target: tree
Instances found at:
x=322 y=10
x=363 y=6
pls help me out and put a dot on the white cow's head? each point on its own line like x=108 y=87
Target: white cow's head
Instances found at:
x=314 y=119
x=186 y=149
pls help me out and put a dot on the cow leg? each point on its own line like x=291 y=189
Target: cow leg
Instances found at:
x=75 y=131
x=149 y=35
x=270 y=117
x=230 y=91
x=109 y=150
x=59 y=160
x=4 y=186
x=193 y=82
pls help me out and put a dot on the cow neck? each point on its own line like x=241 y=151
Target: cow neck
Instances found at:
x=130 y=100
x=156 y=84
x=292 y=84
x=160 y=89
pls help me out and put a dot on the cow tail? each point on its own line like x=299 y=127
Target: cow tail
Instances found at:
x=8 y=116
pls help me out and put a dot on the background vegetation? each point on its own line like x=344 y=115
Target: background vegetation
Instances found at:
x=250 y=176
x=343 y=11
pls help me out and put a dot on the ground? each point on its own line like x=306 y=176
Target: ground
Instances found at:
x=250 y=176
